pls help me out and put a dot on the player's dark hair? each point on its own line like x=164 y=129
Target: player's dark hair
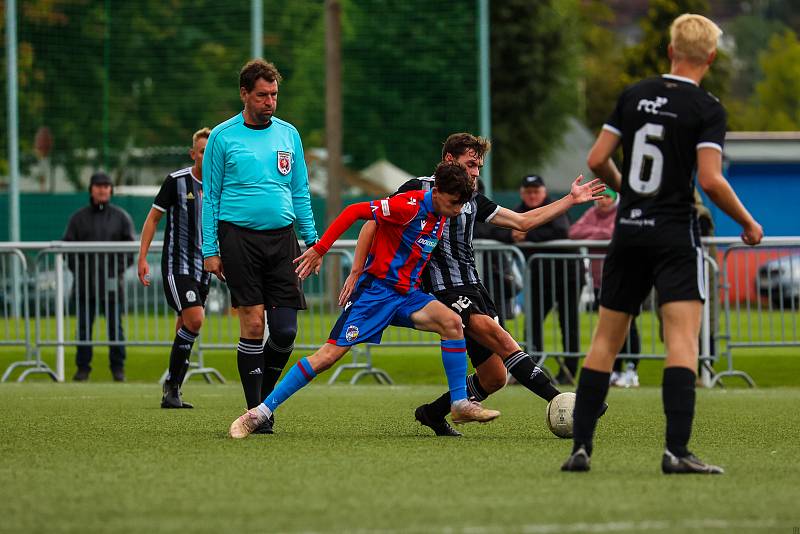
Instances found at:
x=452 y=178
x=255 y=69
x=458 y=144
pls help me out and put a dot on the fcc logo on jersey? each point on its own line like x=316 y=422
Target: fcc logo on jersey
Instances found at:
x=284 y=162
x=352 y=333
x=191 y=296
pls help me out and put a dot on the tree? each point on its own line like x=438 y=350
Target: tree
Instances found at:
x=603 y=63
x=649 y=56
x=535 y=63
x=776 y=103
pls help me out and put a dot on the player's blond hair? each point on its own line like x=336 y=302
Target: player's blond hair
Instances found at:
x=693 y=37
x=200 y=134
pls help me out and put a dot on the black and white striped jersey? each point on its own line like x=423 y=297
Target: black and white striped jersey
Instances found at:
x=452 y=262
x=181 y=198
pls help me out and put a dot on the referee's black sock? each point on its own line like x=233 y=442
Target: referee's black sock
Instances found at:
x=250 y=362
x=275 y=358
x=441 y=406
x=678 y=394
x=179 y=355
x=524 y=369
x=592 y=391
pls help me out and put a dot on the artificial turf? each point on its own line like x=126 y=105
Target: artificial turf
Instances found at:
x=102 y=457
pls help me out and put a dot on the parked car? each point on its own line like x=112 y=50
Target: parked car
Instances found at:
x=779 y=282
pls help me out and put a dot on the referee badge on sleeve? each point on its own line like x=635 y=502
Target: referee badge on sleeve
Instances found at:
x=284 y=162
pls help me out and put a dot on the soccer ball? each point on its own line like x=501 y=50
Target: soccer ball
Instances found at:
x=559 y=414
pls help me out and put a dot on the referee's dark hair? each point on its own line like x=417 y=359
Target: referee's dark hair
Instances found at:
x=452 y=178
x=458 y=144
x=255 y=69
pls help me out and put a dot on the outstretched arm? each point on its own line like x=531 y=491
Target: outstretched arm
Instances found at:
x=311 y=260
x=526 y=222
x=365 y=238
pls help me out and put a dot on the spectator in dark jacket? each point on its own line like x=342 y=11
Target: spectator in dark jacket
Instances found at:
x=98 y=277
x=553 y=281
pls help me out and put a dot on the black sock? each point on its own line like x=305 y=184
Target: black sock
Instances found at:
x=179 y=355
x=592 y=391
x=677 y=392
x=474 y=388
x=250 y=362
x=524 y=369
x=275 y=358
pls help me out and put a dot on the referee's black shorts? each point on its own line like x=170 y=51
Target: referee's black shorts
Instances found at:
x=466 y=301
x=258 y=266
x=629 y=272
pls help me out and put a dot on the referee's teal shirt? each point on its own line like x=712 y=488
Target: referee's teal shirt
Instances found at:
x=256 y=178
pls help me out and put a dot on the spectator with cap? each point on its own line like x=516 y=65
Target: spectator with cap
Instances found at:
x=598 y=223
x=98 y=276
x=553 y=282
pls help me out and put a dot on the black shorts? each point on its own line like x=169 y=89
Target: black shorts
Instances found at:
x=678 y=273
x=258 y=266
x=183 y=291
x=468 y=300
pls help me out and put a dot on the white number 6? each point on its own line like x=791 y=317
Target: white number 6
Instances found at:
x=642 y=149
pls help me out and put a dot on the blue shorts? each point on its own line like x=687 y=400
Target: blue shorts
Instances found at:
x=372 y=308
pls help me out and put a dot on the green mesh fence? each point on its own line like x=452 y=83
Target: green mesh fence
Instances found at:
x=121 y=85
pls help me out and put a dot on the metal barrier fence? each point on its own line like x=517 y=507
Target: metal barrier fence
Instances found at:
x=56 y=289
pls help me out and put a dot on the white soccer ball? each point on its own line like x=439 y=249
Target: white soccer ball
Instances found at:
x=559 y=414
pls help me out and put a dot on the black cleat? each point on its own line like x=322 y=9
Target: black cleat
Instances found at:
x=439 y=426
x=172 y=398
x=578 y=461
x=603 y=410
x=689 y=464
x=266 y=426
x=118 y=374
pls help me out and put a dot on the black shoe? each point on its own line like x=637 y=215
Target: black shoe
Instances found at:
x=118 y=374
x=603 y=410
x=172 y=398
x=689 y=464
x=439 y=426
x=266 y=426
x=578 y=461
x=81 y=375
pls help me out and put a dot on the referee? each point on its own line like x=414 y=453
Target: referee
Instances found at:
x=256 y=186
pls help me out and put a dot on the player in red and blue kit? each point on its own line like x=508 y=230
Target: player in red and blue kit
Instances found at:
x=409 y=227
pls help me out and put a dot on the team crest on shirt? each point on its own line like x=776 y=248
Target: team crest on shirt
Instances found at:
x=352 y=333
x=284 y=162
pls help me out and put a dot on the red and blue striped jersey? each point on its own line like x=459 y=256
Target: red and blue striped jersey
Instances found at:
x=408 y=231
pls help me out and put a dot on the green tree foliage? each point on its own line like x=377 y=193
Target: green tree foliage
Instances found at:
x=776 y=103
x=751 y=33
x=535 y=64
x=649 y=56
x=409 y=78
x=603 y=63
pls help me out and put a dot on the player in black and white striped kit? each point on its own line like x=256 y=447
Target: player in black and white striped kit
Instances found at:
x=668 y=126
x=185 y=282
x=453 y=279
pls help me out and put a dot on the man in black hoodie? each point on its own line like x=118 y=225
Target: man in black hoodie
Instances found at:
x=98 y=277
x=555 y=281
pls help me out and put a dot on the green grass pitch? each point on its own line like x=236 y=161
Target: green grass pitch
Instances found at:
x=102 y=457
